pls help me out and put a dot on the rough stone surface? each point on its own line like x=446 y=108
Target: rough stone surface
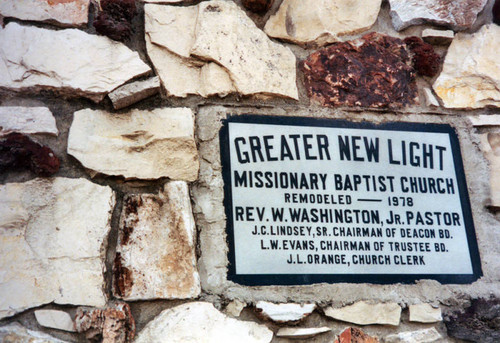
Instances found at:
x=234 y=308
x=62 y=12
x=257 y=6
x=321 y=21
x=16 y=333
x=176 y=325
x=55 y=319
x=438 y=37
x=52 y=242
x=425 y=313
x=430 y=99
x=480 y=322
x=425 y=60
x=490 y=145
x=374 y=71
x=355 y=335
x=363 y=313
x=131 y=93
x=457 y=14
x=283 y=313
x=214 y=48
x=138 y=144
x=70 y=62
x=18 y=151
x=485 y=120
x=301 y=333
x=419 y=336
x=115 y=18
x=27 y=120
x=166 y=222
x=471 y=71
x=113 y=324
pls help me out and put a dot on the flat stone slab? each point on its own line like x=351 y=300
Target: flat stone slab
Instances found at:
x=201 y=322
x=52 y=241
x=55 y=319
x=138 y=144
x=60 y=12
x=70 y=62
x=321 y=21
x=27 y=120
x=425 y=313
x=418 y=336
x=131 y=93
x=214 y=48
x=165 y=267
x=471 y=70
x=283 y=313
x=16 y=333
x=364 y=313
x=458 y=14
x=301 y=333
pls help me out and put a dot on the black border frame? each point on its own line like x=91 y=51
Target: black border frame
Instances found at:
x=307 y=279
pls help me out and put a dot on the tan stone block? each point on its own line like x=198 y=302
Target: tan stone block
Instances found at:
x=137 y=144
x=364 y=313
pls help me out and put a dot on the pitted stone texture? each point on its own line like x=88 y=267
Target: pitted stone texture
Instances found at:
x=214 y=48
x=138 y=144
x=364 y=313
x=282 y=313
x=134 y=92
x=373 y=71
x=113 y=324
x=355 y=335
x=70 y=62
x=201 y=322
x=234 y=308
x=471 y=71
x=477 y=323
x=458 y=14
x=27 y=120
x=55 y=319
x=301 y=333
x=321 y=21
x=425 y=313
x=166 y=222
x=419 y=336
x=16 y=333
x=62 y=12
x=52 y=241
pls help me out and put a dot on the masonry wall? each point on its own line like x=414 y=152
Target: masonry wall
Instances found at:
x=112 y=219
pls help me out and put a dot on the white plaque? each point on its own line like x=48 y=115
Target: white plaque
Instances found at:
x=310 y=200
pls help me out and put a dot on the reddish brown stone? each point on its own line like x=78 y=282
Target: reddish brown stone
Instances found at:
x=114 y=324
x=480 y=322
x=354 y=335
x=374 y=71
x=115 y=19
x=122 y=277
x=496 y=12
x=258 y=6
x=18 y=151
x=425 y=60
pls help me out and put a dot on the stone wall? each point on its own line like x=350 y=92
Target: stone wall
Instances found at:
x=112 y=223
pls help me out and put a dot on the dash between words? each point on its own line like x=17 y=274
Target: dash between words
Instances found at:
x=295 y=147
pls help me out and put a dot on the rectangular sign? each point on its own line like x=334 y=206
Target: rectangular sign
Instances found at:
x=316 y=200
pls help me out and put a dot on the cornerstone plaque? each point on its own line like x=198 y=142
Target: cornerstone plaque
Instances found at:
x=317 y=200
